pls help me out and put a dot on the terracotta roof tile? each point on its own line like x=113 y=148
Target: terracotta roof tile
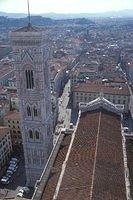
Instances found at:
x=95 y=88
x=96 y=141
x=12 y=115
x=56 y=170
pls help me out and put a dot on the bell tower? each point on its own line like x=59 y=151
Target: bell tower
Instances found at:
x=31 y=56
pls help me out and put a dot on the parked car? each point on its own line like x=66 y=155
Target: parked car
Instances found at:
x=8 y=175
x=14 y=159
x=125 y=130
x=12 y=168
x=26 y=190
x=71 y=125
x=9 y=172
x=23 y=191
x=20 y=193
x=13 y=165
x=5 y=180
x=13 y=162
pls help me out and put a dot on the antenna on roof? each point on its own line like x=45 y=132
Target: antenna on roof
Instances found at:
x=29 y=19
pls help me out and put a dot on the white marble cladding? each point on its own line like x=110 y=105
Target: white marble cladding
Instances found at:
x=33 y=84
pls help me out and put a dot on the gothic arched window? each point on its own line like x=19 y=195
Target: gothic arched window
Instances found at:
x=37 y=135
x=30 y=134
x=29 y=79
x=28 y=111
x=35 y=111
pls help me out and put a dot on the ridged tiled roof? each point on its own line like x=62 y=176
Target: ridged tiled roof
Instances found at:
x=94 y=166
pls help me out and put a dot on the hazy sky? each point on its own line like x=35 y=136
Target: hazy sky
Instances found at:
x=64 y=6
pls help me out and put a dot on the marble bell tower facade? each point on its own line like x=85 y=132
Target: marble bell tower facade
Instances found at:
x=31 y=55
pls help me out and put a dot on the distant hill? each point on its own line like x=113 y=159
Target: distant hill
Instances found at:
x=7 y=23
x=121 y=13
x=13 y=15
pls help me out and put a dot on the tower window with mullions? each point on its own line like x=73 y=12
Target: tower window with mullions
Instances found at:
x=29 y=79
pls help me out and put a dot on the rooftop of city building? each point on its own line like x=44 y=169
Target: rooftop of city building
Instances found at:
x=97 y=88
x=85 y=166
x=3 y=131
x=12 y=115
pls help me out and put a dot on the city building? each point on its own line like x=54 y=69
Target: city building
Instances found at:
x=4 y=108
x=8 y=100
x=86 y=92
x=3 y=93
x=31 y=53
x=12 y=121
x=5 y=146
x=6 y=73
x=12 y=82
x=4 y=102
x=82 y=165
x=84 y=72
x=14 y=101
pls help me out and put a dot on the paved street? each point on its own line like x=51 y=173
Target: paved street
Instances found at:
x=128 y=119
x=128 y=122
x=66 y=114
x=131 y=102
x=64 y=110
x=18 y=180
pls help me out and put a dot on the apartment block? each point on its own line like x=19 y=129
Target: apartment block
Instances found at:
x=86 y=92
x=5 y=145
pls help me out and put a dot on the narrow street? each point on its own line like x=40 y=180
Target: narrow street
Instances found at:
x=64 y=111
x=131 y=101
x=128 y=120
x=64 y=117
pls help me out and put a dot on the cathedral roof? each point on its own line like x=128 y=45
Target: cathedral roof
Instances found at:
x=85 y=167
x=101 y=102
